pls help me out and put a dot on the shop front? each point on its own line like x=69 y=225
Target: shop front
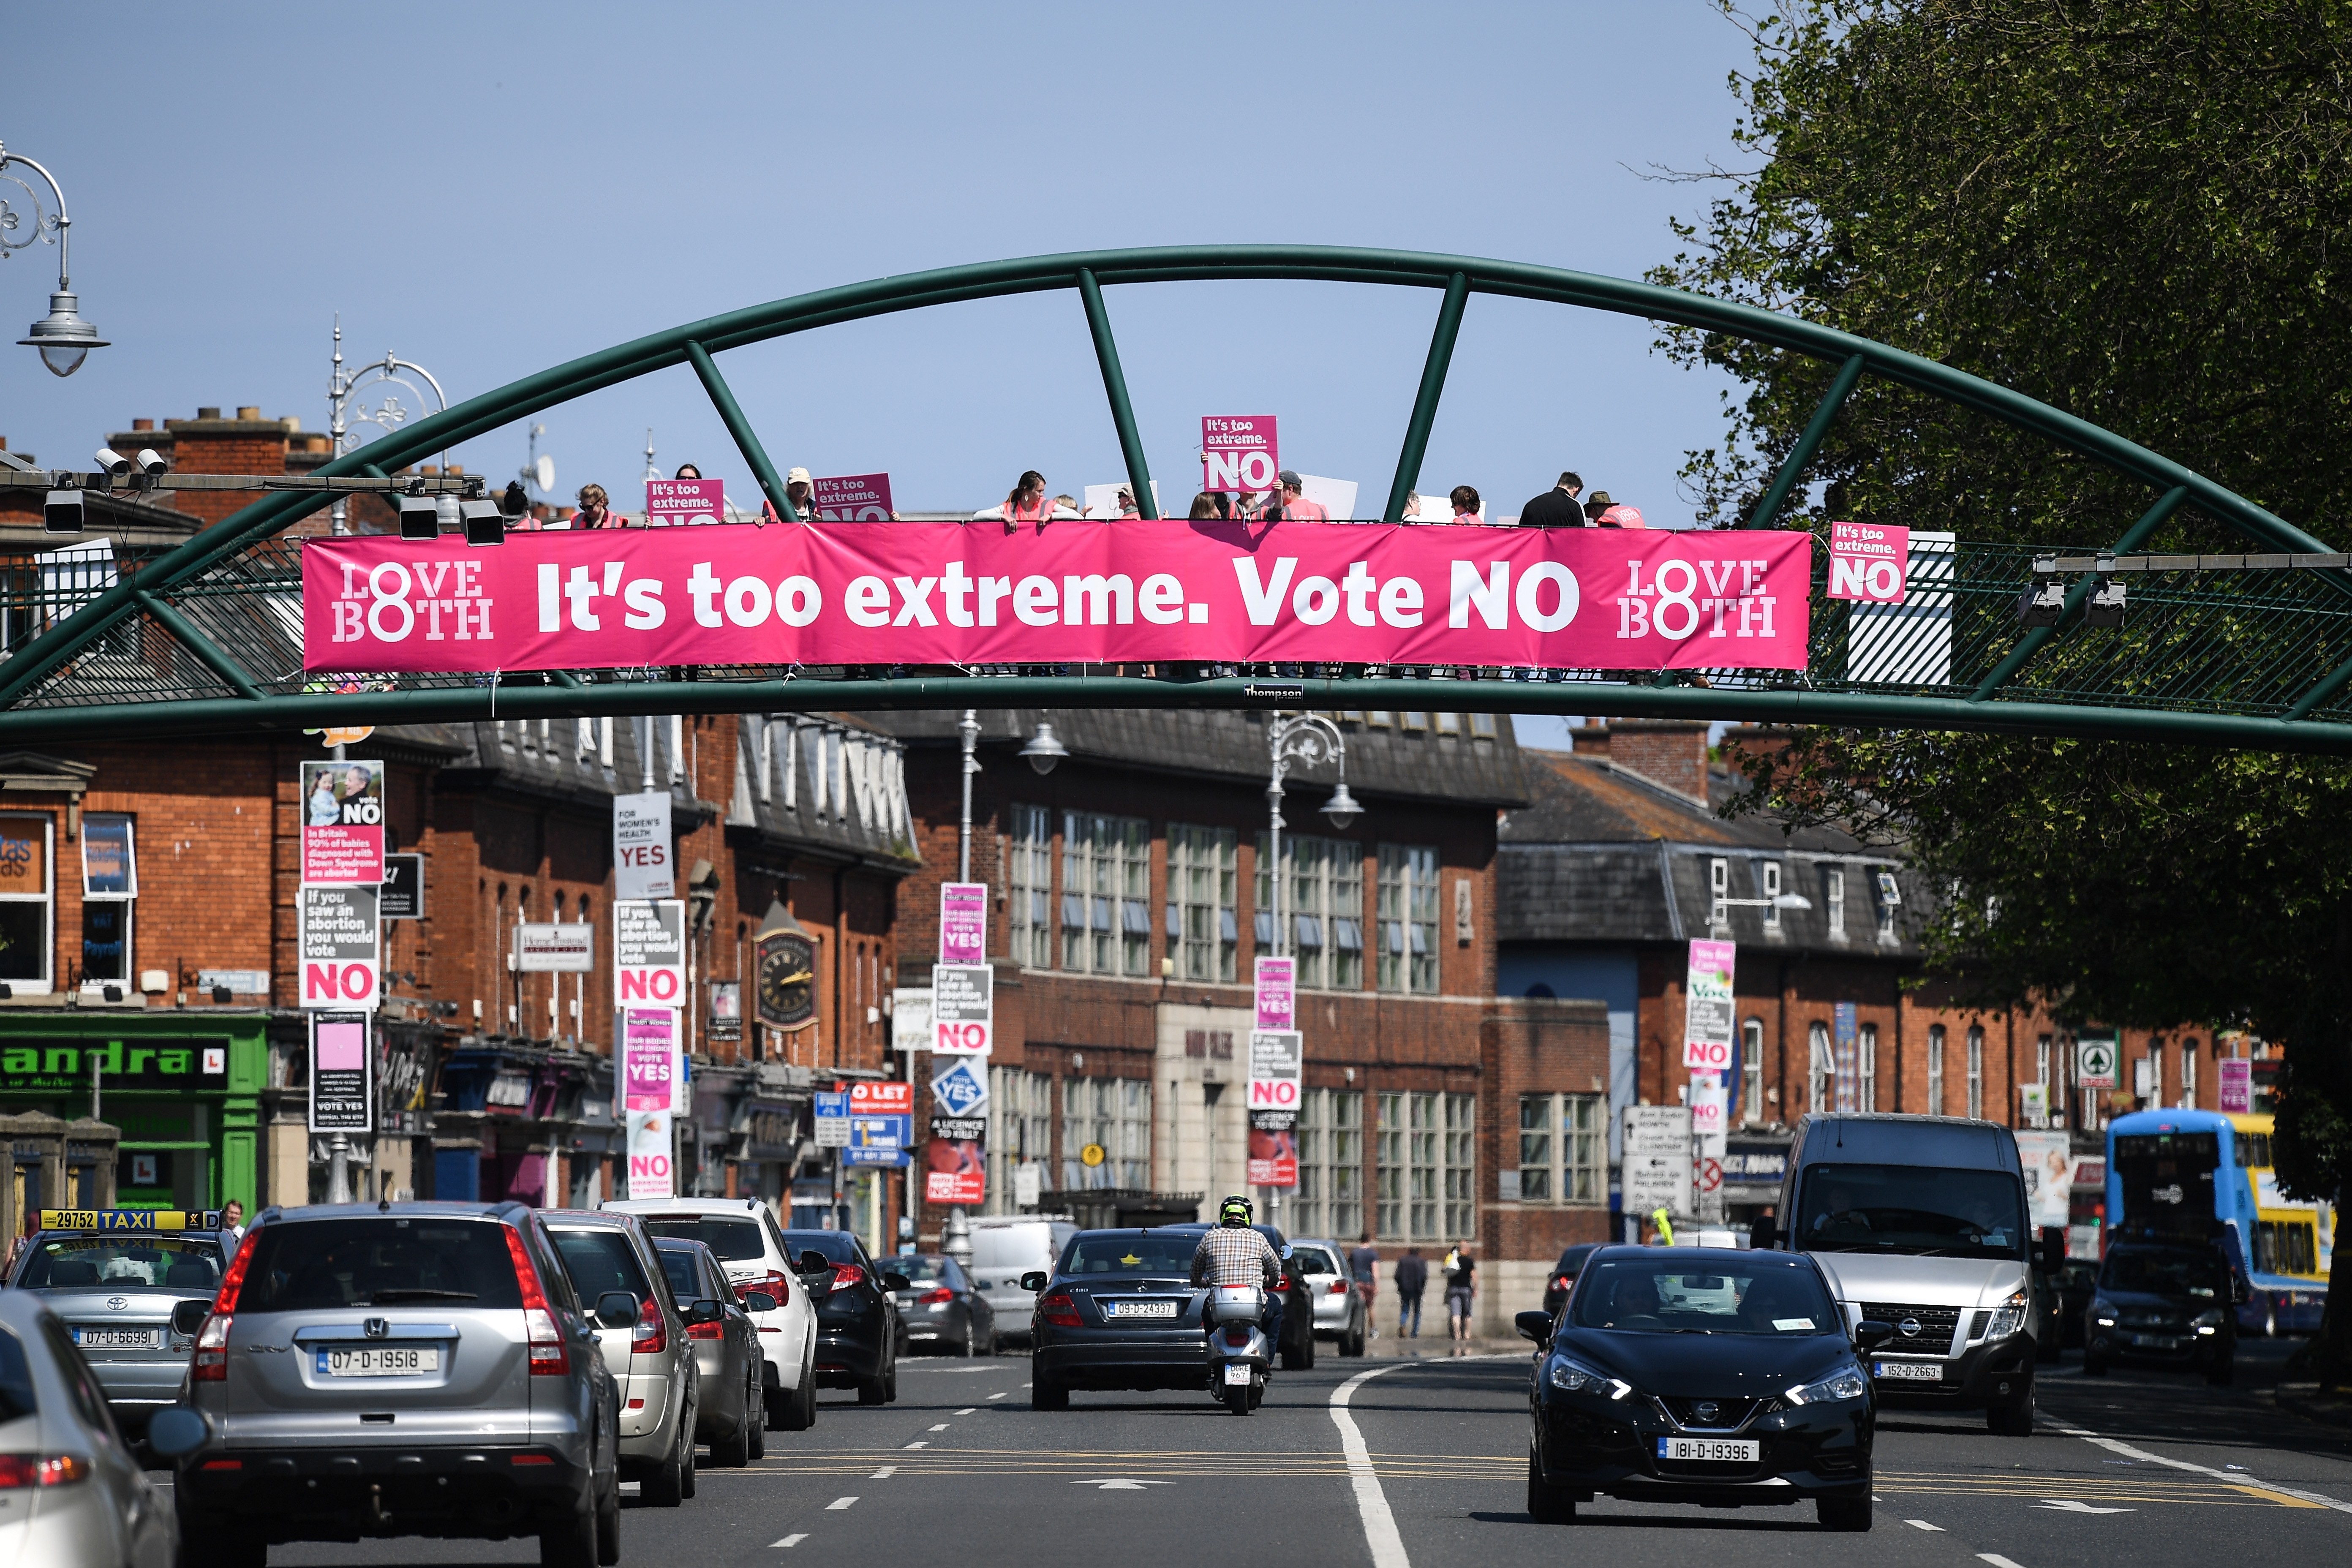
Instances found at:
x=184 y=1088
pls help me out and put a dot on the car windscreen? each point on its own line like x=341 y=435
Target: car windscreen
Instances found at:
x=1669 y=1294
x=1573 y=1258
x=181 y=1263
x=395 y=1260
x=733 y=1240
x=1129 y=1255
x=685 y=1280
x=2162 y=1273
x=836 y=1246
x=600 y=1260
x=918 y=1269
x=1313 y=1260
x=1915 y=1210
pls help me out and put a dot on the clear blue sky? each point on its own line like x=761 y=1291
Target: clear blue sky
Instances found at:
x=490 y=189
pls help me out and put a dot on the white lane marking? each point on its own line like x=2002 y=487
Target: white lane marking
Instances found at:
x=998 y=1395
x=790 y=1541
x=2235 y=1478
x=940 y=1427
x=839 y=1502
x=1121 y=1484
x=968 y=1409
x=1997 y=1560
x=883 y=1474
x=2074 y=1505
x=1923 y=1524
x=1371 y=1503
x=924 y=1445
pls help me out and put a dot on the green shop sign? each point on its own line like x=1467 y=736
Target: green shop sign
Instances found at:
x=51 y=1067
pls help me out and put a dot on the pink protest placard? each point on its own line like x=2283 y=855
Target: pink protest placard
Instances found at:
x=852 y=498
x=2237 y=1086
x=342 y=1046
x=1238 y=452
x=963 y=922
x=648 y=1044
x=1868 y=560
x=1277 y=992
x=675 y=503
x=1082 y=592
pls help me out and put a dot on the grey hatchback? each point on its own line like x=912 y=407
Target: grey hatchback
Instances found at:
x=399 y=1368
x=612 y=1260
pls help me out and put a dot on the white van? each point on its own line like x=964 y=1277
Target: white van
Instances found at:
x=1003 y=1249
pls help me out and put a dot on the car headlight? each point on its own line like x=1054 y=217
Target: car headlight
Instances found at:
x=2208 y=1321
x=1846 y=1384
x=1575 y=1377
x=2010 y=1316
x=2103 y=1313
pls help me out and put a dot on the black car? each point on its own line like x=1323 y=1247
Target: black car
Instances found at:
x=1700 y=1375
x=1297 y=1342
x=1118 y=1311
x=940 y=1306
x=2165 y=1304
x=1562 y=1278
x=859 y=1334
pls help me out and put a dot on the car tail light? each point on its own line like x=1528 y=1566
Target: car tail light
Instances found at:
x=930 y=1297
x=705 y=1330
x=844 y=1275
x=18 y=1471
x=651 y=1336
x=1563 y=1282
x=1339 y=1286
x=211 y=1365
x=1282 y=1285
x=1059 y=1308
x=773 y=1283
x=548 y=1356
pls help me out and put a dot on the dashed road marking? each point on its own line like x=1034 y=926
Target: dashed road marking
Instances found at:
x=883 y=1474
x=839 y=1502
x=968 y=1410
x=1923 y=1524
x=924 y=1445
x=1997 y=1560
x=790 y=1541
x=998 y=1395
x=940 y=1427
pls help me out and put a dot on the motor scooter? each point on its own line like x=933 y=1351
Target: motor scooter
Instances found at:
x=1239 y=1357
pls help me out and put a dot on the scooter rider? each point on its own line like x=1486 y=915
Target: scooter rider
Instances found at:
x=1235 y=1254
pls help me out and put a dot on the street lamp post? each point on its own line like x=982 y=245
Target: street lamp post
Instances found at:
x=64 y=339
x=1311 y=739
x=343 y=388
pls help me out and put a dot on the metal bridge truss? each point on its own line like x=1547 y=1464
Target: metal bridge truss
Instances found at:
x=205 y=637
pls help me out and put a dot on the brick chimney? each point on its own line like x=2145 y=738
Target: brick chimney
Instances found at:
x=209 y=444
x=1669 y=753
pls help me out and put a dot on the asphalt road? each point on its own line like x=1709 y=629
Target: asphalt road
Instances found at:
x=2144 y=1467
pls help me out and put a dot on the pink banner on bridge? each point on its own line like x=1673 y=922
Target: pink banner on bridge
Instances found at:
x=1077 y=591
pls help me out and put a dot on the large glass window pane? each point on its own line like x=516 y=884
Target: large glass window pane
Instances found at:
x=1535 y=1148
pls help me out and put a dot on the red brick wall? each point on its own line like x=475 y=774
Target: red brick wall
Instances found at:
x=1538 y=1046
x=1665 y=751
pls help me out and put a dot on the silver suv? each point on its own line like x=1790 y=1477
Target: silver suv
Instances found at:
x=399 y=1368
x=647 y=1351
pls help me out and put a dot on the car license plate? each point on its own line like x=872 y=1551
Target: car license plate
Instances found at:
x=1139 y=1309
x=1235 y=1373
x=1714 y=1450
x=116 y=1339
x=372 y=1361
x=2155 y=1341
x=1911 y=1370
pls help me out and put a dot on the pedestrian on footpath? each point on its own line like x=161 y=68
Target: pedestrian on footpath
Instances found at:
x=1411 y=1279
x=233 y=1221
x=1365 y=1264
x=1460 y=1289
x=1557 y=507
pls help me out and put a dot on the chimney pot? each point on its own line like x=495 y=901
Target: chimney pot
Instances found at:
x=208 y=413
x=247 y=413
x=143 y=424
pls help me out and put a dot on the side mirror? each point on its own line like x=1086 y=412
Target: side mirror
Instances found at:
x=1870 y=1333
x=1284 y=1253
x=188 y=1318
x=759 y=1301
x=617 y=1309
x=177 y=1431
x=1763 y=1233
x=1535 y=1326
x=705 y=1311
x=1033 y=1281
x=814 y=1262
x=894 y=1280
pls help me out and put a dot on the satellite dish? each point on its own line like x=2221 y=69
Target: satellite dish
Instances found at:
x=543 y=471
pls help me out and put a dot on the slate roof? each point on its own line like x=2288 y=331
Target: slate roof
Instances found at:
x=1228 y=745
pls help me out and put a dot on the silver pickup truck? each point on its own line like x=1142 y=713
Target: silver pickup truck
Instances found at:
x=1921 y=1222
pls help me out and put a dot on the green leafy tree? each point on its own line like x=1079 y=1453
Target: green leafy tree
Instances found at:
x=2132 y=212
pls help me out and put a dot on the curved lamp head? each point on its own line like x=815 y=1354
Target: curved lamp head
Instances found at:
x=62 y=336
x=1043 y=749
x=1341 y=808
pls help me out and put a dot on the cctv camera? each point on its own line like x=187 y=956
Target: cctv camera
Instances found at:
x=112 y=461
x=154 y=462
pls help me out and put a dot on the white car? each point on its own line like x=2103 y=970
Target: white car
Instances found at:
x=744 y=1236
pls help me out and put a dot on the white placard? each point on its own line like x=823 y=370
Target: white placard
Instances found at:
x=553 y=948
x=910 y=1018
x=643 y=867
x=340 y=963
x=963 y=1008
x=649 y=953
x=651 y=1174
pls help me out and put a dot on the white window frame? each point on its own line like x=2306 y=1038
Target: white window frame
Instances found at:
x=1106 y=882
x=1202 y=918
x=1866 y=1058
x=1935 y=1069
x=1752 y=1072
x=1769 y=872
x=1833 y=899
x=1029 y=891
x=1020 y=1132
x=2188 y=1072
x=1976 y=1071
x=48 y=898
x=1817 y=1066
x=1407 y=891
x=1322 y=872
x=1329 y=1198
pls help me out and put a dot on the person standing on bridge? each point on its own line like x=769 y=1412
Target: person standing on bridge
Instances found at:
x=1028 y=503
x=1557 y=507
x=1295 y=507
x=595 y=510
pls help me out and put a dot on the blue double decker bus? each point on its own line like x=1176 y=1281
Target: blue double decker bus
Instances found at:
x=2207 y=1175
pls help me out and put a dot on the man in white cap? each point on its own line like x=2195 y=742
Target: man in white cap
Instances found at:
x=798 y=488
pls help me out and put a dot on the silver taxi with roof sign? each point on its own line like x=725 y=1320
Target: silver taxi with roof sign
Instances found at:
x=114 y=1276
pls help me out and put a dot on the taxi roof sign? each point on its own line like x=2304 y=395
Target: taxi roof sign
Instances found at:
x=130 y=1219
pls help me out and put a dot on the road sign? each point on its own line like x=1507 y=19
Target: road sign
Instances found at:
x=403 y=888
x=1277 y=1059
x=642 y=864
x=551 y=947
x=960 y=1089
x=342 y=948
x=878 y=1140
x=2095 y=1061
x=963 y=1008
x=882 y=1099
x=649 y=953
x=1657 y=1164
x=340 y=1082
x=832 y=1119
x=963 y=922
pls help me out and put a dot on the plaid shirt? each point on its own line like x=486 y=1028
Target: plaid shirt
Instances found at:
x=1235 y=1254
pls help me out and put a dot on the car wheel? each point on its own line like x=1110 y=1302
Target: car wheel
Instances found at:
x=757 y=1416
x=890 y=1382
x=2011 y=1420
x=1844 y=1513
x=665 y=1484
x=735 y=1449
x=1546 y=1504
x=995 y=1341
x=571 y=1544
x=873 y=1391
x=686 y=1468
x=608 y=1526
x=1044 y=1394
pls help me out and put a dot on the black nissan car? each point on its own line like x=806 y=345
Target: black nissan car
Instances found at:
x=2164 y=1303
x=859 y=1334
x=1700 y=1375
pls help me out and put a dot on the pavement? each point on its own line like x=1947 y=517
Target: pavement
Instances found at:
x=1420 y=1458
